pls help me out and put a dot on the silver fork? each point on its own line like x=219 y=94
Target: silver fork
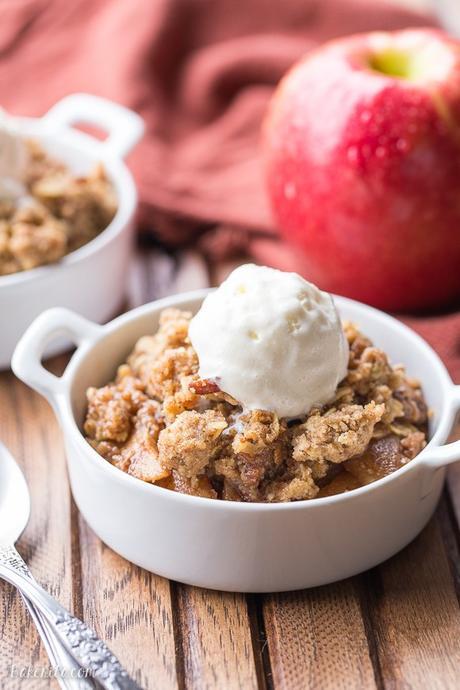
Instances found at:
x=63 y=633
x=68 y=673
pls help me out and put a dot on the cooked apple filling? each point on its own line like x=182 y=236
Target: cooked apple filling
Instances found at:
x=160 y=422
x=57 y=213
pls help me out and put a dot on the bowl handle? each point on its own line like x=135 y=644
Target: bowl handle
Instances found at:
x=445 y=455
x=434 y=459
x=123 y=126
x=27 y=357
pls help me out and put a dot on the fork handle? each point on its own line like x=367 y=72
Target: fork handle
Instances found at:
x=80 y=641
x=68 y=675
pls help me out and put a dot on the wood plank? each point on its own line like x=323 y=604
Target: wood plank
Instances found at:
x=171 y=636
x=450 y=537
x=453 y=480
x=131 y=610
x=317 y=639
x=191 y=273
x=215 y=640
x=415 y=616
x=155 y=274
x=453 y=485
x=151 y=276
x=30 y=430
x=129 y=607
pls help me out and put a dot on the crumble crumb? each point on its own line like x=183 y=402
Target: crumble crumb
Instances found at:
x=189 y=443
x=337 y=435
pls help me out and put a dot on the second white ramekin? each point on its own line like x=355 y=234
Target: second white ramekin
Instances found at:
x=92 y=279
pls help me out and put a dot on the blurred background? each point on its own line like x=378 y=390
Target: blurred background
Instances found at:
x=201 y=74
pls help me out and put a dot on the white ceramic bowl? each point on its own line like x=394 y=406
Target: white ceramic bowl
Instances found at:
x=239 y=546
x=91 y=279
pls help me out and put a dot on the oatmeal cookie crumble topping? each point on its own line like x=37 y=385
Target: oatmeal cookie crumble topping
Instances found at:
x=160 y=422
x=60 y=213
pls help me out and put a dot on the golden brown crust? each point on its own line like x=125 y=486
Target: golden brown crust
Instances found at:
x=195 y=486
x=162 y=360
x=160 y=422
x=413 y=444
x=111 y=409
x=410 y=397
x=191 y=441
x=337 y=435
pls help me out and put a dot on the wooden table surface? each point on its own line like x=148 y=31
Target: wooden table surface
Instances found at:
x=396 y=626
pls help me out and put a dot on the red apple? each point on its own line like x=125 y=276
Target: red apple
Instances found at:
x=362 y=143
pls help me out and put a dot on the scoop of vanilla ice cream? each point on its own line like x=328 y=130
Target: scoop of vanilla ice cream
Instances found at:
x=13 y=158
x=272 y=340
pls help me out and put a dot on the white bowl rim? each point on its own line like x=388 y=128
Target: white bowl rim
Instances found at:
x=69 y=423
x=126 y=202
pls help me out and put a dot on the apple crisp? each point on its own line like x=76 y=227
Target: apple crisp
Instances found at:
x=58 y=213
x=160 y=422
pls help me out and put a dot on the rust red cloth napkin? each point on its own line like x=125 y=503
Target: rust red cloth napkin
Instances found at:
x=200 y=72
